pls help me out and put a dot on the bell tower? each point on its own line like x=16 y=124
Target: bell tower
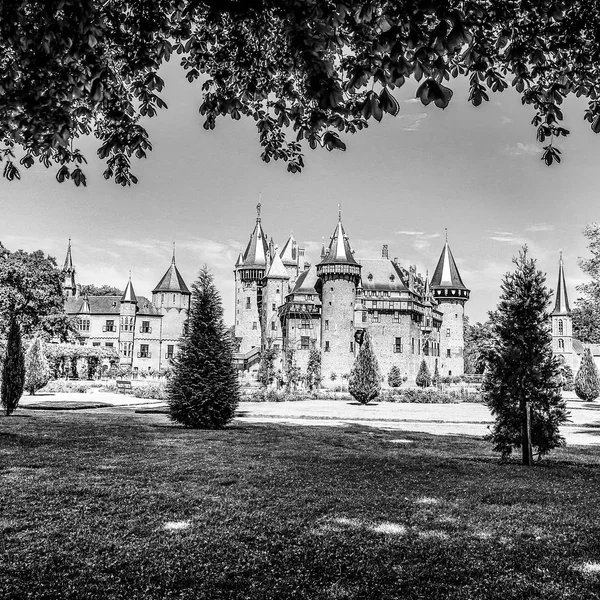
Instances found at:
x=562 y=322
x=69 y=287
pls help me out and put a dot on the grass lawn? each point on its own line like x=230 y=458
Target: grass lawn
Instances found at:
x=125 y=505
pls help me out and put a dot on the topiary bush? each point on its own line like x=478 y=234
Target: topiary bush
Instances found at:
x=394 y=377
x=423 y=376
x=587 y=382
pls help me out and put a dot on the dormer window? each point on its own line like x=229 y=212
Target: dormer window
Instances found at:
x=392 y=278
x=370 y=276
x=114 y=304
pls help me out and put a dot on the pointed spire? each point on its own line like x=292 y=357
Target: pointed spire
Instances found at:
x=173 y=260
x=289 y=254
x=69 y=259
x=129 y=294
x=277 y=269
x=446 y=276
x=339 y=247
x=257 y=250
x=240 y=260
x=323 y=253
x=258 y=210
x=561 y=307
x=172 y=281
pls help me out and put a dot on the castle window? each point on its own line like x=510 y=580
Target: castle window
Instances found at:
x=398 y=345
x=560 y=327
x=83 y=324
x=396 y=317
x=375 y=317
x=162 y=298
x=561 y=344
x=145 y=328
x=351 y=346
x=304 y=342
x=173 y=298
x=327 y=346
x=364 y=316
x=110 y=326
x=273 y=326
x=418 y=346
x=412 y=345
x=448 y=332
x=248 y=302
x=448 y=353
x=254 y=325
x=95 y=343
x=426 y=348
x=273 y=306
x=326 y=325
x=170 y=351
x=108 y=344
x=144 y=351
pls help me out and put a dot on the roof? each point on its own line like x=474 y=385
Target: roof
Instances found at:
x=306 y=282
x=107 y=305
x=171 y=281
x=561 y=306
x=129 y=294
x=289 y=254
x=446 y=273
x=68 y=259
x=277 y=270
x=240 y=260
x=339 y=248
x=257 y=249
x=381 y=274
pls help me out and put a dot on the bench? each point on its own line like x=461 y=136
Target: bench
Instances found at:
x=124 y=387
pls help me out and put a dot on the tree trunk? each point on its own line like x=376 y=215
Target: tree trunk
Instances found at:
x=526 y=433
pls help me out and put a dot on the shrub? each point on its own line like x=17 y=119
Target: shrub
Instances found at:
x=151 y=391
x=395 y=377
x=365 y=379
x=587 y=383
x=420 y=396
x=423 y=376
x=37 y=369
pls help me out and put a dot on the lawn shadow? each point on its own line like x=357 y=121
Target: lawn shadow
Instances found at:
x=360 y=404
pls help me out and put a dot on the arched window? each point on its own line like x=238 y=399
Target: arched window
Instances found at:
x=560 y=327
x=561 y=344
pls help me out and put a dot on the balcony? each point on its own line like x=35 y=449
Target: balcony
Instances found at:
x=144 y=355
x=109 y=329
x=145 y=329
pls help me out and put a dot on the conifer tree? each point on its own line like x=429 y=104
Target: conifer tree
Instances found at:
x=423 y=376
x=13 y=368
x=587 y=382
x=365 y=379
x=37 y=369
x=313 y=369
x=522 y=376
x=395 y=377
x=436 y=374
x=203 y=390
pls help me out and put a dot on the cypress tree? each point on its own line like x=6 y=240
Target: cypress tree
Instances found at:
x=13 y=368
x=423 y=376
x=587 y=382
x=203 y=390
x=313 y=369
x=37 y=370
x=436 y=374
x=365 y=379
x=522 y=376
x=395 y=377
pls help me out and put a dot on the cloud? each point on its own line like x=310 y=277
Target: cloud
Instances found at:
x=409 y=232
x=520 y=149
x=506 y=120
x=412 y=122
x=536 y=227
x=421 y=239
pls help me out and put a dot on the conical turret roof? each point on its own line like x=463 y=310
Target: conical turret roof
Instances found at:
x=240 y=260
x=172 y=281
x=277 y=269
x=561 y=306
x=289 y=254
x=68 y=259
x=446 y=273
x=129 y=294
x=257 y=249
x=339 y=248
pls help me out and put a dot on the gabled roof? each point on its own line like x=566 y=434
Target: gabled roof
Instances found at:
x=380 y=274
x=339 y=248
x=561 y=306
x=277 y=270
x=108 y=305
x=289 y=254
x=171 y=281
x=446 y=273
x=257 y=249
x=129 y=294
x=305 y=284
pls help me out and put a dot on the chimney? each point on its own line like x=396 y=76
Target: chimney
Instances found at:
x=301 y=258
x=384 y=251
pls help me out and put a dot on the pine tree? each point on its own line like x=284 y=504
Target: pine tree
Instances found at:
x=436 y=374
x=521 y=372
x=365 y=379
x=313 y=369
x=587 y=382
x=37 y=369
x=203 y=390
x=395 y=377
x=423 y=376
x=13 y=368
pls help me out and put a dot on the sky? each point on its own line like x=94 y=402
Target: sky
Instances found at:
x=475 y=171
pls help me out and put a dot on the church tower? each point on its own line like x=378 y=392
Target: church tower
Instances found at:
x=451 y=294
x=250 y=270
x=128 y=312
x=69 y=287
x=338 y=274
x=562 y=322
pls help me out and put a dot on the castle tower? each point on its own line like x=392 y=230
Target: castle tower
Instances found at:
x=250 y=269
x=127 y=314
x=171 y=292
x=562 y=322
x=338 y=274
x=69 y=287
x=451 y=294
x=275 y=289
x=293 y=259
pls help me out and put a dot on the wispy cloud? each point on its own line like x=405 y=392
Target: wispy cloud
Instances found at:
x=537 y=227
x=520 y=149
x=412 y=122
x=506 y=120
x=421 y=240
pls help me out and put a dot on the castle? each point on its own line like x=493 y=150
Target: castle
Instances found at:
x=281 y=301
x=145 y=333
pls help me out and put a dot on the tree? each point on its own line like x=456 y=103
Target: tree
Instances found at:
x=31 y=290
x=365 y=379
x=436 y=374
x=423 y=376
x=395 y=377
x=37 y=369
x=203 y=390
x=292 y=370
x=586 y=314
x=315 y=68
x=587 y=381
x=313 y=369
x=266 y=366
x=522 y=381
x=102 y=290
x=13 y=368
x=477 y=340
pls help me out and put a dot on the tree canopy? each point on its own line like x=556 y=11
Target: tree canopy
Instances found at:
x=586 y=314
x=306 y=71
x=102 y=290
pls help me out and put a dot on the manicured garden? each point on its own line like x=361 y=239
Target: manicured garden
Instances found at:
x=126 y=505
